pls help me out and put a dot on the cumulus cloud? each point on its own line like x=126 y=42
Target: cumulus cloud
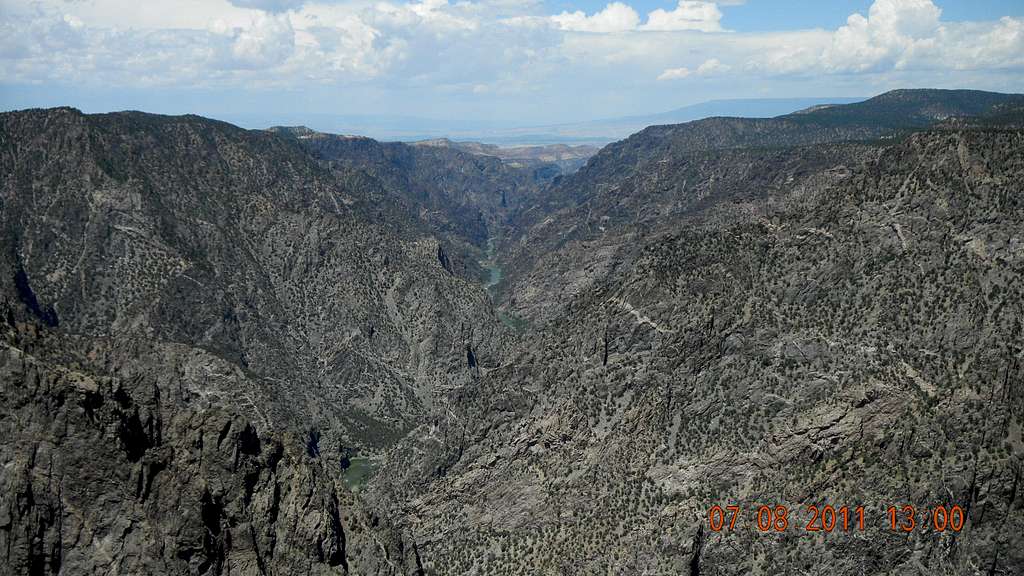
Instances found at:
x=688 y=15
x=35 y=38
x=710 y=67
x=1001 y=46
x=268 y=41
x=616 y=17
x=899 y=35
x=674 y=73
x=491 y=47
x=890 y=35
x=269 y=5
x=44 y=44
x=344 y=47
x=435 y=15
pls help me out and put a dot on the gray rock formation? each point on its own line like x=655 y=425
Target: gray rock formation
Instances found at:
x=132 y=470
x=837 y=325
x=205 y=328
x=223 y=324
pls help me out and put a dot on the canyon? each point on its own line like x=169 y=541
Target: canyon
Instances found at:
x=283 y=351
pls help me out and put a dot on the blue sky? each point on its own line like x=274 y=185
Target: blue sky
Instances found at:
x=762 y=15
x=511 y=62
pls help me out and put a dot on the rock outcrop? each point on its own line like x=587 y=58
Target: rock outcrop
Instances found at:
x=114 y=464
x=210 y=335
x=787 y=326
x=187 y=304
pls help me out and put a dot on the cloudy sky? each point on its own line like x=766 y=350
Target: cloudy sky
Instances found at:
x=510 y=61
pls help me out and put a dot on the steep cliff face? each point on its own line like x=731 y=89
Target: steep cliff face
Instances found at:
x=116 y=463
x=215 y=324
x=192 y=231
x=202 y=325
x=655 y=177
x=464 y=198
x=545 y=161
x=829 y=326
x=613 y=219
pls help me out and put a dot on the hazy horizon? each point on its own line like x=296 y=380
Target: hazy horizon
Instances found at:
x=510 y=133
x=499 y=62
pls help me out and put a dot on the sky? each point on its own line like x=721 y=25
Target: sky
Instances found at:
x=510 y=62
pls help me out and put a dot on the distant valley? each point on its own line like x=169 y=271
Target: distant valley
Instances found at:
x=505 y=134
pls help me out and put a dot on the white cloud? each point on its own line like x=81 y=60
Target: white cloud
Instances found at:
x=688 y=15
x=619 y=17
x=674 y=74
x=437 y=15
x=343 y=47
x=487 y=47
x=230 y=48
x=269 y=5
x=139 y=15
x=889 y=36
x=900 y=35
x=1001 y=46
x=616 y=17
x=710 y=67
x=268 y=41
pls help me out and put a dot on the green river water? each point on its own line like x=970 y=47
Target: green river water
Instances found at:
x=359 y=471
x=495 y=274
x=492 y=267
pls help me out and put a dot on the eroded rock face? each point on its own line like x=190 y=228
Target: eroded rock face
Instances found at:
x=128 y=471
x=829 y=326
x=202 y=324
x=208 y=298
x=319 y=284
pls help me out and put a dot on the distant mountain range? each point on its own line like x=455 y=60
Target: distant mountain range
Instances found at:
x=612 y=129
x=595 y=132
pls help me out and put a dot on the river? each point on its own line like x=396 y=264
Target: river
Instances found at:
x=494 y=270
x=359 y=471
x=494 y=276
